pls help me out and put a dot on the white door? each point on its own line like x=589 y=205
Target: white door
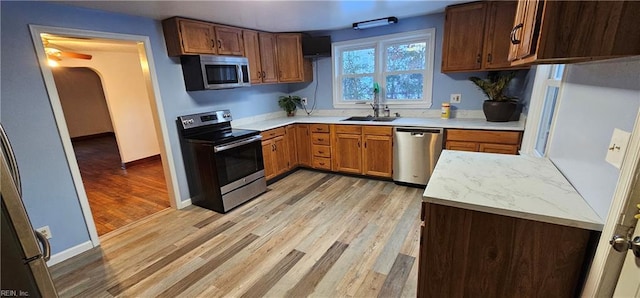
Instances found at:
x=629 y=281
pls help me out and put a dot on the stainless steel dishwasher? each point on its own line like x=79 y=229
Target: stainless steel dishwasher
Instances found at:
x=415 y=153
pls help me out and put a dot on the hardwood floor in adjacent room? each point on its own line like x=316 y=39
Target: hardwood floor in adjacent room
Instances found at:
x=312 y=234
x=119 y=197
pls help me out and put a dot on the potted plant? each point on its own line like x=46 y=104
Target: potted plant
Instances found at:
x=289 y=103
x=499 y=107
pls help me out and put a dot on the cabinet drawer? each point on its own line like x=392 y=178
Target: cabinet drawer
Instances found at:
x=322 y=163
x=499 y=148
x=462 y=146
x=272 y=133
x=321 y=150
x=484 y=136
x=319 y=128
x=320 y=138
x=349 y=129
x=377 y=130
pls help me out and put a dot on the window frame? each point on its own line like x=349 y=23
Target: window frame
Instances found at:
x=546 y=79
x=379 y=43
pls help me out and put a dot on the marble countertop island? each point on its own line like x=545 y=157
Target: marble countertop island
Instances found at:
x=511 y=185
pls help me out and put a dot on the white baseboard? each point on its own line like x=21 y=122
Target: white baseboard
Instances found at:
x=184 y=204
x=69 y=253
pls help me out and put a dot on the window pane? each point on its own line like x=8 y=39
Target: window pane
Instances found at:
x=410 y=56
x=404 y=86
x=546 y=119
x=557 y=71
x=358 y=61
x=360 y=88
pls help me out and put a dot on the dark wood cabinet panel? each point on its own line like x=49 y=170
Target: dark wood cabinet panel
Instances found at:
x=469 y=253
x=252 y=52
x=463 y=37
x=303 y=145
x=229 y=41
x=268 y=57
x=490 y=141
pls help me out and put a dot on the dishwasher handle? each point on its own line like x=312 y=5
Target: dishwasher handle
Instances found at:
x=415 y=131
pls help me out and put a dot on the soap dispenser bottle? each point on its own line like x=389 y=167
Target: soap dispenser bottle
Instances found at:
x=387 y=112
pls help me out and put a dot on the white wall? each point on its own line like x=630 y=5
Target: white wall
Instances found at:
x=595 y=98
x=128 y=101
x=82 y=99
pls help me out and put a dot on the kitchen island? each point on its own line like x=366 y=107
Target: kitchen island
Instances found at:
x=503 y=226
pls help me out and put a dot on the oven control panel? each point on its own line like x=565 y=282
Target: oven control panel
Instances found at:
x=207 y=118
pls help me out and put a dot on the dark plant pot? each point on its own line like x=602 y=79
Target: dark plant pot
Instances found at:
x=498 y=111
x=291 y=113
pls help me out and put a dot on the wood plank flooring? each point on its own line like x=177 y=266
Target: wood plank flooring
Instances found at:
x=119 y=197
x=312 y=234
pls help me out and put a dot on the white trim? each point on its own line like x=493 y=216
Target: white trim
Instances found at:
x=184 y=203
x=144 y=49
x=69 y=253
x=603 y=272
x=377 y=42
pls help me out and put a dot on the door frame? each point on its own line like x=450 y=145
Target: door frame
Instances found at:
x=607 y=263
x=153 y=89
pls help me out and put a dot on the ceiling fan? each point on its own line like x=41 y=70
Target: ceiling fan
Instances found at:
x=56 y=53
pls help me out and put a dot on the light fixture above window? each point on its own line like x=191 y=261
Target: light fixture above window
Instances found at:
x=375 y=23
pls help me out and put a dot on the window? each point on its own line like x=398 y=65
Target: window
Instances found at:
x=542 y=108
x=402 y=65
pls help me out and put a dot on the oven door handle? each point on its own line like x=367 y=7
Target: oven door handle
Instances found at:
x=237 y=143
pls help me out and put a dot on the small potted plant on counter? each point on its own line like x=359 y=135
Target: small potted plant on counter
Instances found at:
x=499 y=107
x=289 y=103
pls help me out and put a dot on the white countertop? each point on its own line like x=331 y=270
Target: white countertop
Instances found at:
x=464 y=123
x=511 y=185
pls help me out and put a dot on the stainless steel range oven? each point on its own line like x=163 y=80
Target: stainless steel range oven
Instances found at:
x=224 y=166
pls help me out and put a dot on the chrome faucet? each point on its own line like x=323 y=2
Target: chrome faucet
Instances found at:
x=376 y=108
x=376 y=100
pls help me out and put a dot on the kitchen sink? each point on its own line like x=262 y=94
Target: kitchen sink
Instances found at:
x=369 y=118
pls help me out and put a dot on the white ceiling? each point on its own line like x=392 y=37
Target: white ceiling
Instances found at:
x=274 y=16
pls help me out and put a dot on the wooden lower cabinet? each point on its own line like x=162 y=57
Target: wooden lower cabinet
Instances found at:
x=292 y=153
x=465 y=253
x=303 y=145
x=366 y=150
x=490 y=141
x=275 y=152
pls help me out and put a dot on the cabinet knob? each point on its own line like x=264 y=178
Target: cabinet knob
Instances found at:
x=513 y=34
x=489 y=58
x=478 y=58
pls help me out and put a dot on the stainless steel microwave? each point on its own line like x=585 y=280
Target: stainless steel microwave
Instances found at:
x=208 y=72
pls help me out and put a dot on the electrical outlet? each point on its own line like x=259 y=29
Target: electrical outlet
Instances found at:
x=46 y=231
x=455 y=98
x=304 y=101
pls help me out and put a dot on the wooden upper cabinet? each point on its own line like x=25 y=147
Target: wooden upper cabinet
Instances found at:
x=268 y=57
x=189 y=37
x=292 y=66
x=463 y=37
x=229 y=41
x=499 y=23
x=476 y=36
x=252 y=52
x=574 y=31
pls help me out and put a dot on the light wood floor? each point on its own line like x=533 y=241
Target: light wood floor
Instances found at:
x=312 y=234
x=119 y=197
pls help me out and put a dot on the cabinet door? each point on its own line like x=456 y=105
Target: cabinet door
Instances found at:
x=500 y=16
x=499 y=148
x=281 y=155
x=523 y=31
x=348 y=153
x=463 y=37
x=252 y=52
x=197 y=37
x=462 y=146
x=268 y=57
x=290 y=139
x=303 y=144
x=267 y=153
x=377 y=155
x=229 y=41
x=290 y=60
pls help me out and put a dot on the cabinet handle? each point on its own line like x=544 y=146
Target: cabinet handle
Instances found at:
x=358 y=144
x=513 y=34
x=219 y=44
x=273 y=147
x=264 y=74
x=489 y=58
x=365 y=144
x=320 y=152
x=322 y=163
x=280 y=74
x=213 y=43
x=478 y=58
x=320 y=139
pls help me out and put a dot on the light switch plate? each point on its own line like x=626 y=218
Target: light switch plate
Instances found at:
x=617 y=147
x=455 y=98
